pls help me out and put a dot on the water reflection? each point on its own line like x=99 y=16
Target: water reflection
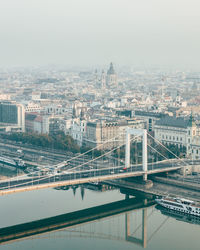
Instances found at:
x=192 y=219
x=143 y=241
x=81 y=217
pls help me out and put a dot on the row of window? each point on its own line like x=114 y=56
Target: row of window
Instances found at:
x=172 y=138
x=180 y=208
x=172 y=204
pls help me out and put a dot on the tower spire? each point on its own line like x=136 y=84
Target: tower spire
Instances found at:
x=111 y=80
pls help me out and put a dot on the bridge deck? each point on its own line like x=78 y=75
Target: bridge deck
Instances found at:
x=77 y=181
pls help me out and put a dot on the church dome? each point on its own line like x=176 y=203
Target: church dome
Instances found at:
x=111 y=70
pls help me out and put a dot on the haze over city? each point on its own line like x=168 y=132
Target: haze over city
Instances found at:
x=94 y=32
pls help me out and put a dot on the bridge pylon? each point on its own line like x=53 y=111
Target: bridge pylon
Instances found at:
x=137 y=132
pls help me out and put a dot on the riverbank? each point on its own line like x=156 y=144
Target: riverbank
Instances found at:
x=158 y=188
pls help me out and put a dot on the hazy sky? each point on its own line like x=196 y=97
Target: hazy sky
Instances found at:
x=89 y=32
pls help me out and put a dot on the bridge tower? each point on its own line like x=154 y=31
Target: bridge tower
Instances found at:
x=137 y=132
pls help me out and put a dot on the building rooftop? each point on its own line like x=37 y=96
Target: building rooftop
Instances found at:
x=150 y=114
x=178 y=122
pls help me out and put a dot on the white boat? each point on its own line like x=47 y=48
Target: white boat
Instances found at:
x=180 y=205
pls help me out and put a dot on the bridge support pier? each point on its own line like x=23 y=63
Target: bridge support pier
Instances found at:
x=145 y=177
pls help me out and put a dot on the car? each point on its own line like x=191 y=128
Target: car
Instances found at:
x=84 y=175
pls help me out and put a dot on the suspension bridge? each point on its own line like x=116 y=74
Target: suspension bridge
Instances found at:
x=81 y=169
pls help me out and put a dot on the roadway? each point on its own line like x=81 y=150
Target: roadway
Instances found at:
x=78 y=177
x=34 y=157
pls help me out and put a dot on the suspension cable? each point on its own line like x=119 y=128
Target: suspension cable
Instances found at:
x=167 y=149
x=157 y=152
x=46 y=177
x=73 y=158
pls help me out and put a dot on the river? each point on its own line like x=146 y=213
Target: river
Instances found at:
x=160 y=231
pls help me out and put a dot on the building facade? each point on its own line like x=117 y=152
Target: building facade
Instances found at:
x=78 y=130
x=12 y=116
x=108 y=134
x=181 y=132
x=37 y=123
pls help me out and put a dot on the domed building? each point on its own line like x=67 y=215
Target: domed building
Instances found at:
x=111 y=79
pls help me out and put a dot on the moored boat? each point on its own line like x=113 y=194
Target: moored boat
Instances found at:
x=180 y=205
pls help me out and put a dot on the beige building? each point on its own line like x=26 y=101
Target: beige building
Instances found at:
x=112 y=132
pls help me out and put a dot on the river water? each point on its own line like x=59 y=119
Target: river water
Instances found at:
x=161 y=231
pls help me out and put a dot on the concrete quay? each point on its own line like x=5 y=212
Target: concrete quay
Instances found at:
x=177 y=183
x=157 y=189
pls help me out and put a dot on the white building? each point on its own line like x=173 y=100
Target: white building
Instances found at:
x=33 y=107
x=41 y=124
x=78 y=130
x=36 y=96
x=181 y=132
x=56 y=109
